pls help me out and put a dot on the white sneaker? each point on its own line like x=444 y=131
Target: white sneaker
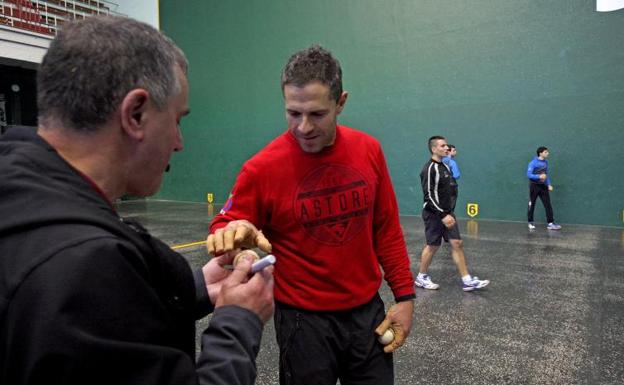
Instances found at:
x=531 y=226
x=426 y=283
x=553 y=226
x=475 y=284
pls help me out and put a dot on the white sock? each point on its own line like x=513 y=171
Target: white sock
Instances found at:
x=467 y=278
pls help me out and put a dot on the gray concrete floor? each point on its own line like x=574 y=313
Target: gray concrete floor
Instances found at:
x=553 y=314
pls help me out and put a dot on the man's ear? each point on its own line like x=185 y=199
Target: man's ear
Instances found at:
x=342 y=101
x=133 y=109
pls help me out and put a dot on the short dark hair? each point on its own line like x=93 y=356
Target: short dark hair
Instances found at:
x=451 y=146
x=314 y=64
x=541 y=149
x=93 y=63
x=433 y=140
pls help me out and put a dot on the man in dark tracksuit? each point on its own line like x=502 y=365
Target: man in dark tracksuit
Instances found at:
x=539 y=186
x=87 y=297
x=436 y=180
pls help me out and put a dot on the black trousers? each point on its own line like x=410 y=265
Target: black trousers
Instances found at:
x=318 y=348
x=541 y=191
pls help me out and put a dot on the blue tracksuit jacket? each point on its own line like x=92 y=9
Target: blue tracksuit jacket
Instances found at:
x=537 y=167
x=453 y=166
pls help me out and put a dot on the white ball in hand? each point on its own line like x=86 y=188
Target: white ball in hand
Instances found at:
x=253 y=256
x=387 y=337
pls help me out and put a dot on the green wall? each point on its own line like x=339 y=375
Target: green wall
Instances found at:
x=498 y=78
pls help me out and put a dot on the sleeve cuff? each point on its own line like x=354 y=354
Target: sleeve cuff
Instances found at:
x=403 y=298
x=232 y=314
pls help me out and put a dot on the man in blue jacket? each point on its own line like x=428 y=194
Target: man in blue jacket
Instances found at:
x=539 y=186
x=449 y=160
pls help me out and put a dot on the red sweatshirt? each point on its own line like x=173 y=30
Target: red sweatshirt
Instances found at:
x=332 y=218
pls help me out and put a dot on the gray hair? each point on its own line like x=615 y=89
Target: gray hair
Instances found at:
x=93 y=63
x=314 y=64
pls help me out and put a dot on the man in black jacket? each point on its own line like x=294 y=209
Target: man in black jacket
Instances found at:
x=87 y=297
x=437 y=185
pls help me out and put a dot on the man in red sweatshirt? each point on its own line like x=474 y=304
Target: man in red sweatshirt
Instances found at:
x=322 y=195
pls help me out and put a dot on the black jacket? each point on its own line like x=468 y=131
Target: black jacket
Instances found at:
x=437 y=185
x=89 y=298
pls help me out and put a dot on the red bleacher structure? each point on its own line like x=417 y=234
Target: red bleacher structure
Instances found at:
x=45 y=17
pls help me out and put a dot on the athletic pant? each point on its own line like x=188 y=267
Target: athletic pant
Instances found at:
x=541 y=191
x=318 y=348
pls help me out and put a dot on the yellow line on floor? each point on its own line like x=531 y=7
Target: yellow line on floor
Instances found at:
x=184 y=246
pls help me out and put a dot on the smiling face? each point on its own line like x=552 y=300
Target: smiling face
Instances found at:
x=311 y=115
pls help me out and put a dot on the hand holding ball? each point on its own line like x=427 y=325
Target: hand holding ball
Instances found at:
x=257 y=263
x=393 y=330
x=252 y=256
x=387 y=337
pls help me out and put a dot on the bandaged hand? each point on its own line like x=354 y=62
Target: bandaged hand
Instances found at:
x=399 y=320
x=235 y=235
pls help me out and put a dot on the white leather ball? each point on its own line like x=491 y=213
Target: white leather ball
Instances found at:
x=387 y=337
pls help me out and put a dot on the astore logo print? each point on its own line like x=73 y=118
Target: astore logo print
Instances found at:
x=332 y=203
